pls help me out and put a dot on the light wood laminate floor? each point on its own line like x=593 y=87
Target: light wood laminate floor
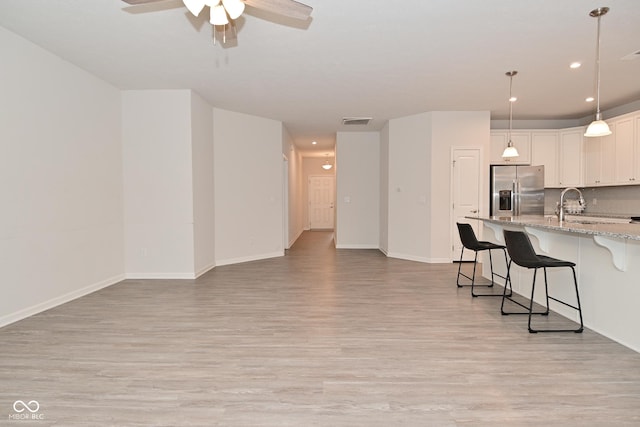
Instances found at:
x=320 y=337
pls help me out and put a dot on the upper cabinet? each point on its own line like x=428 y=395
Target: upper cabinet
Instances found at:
x=560 y=151
x=572 y=160
x=626 y=147
x=570 y=157
x=545 y=151
x=521 y=140
x=612 y=159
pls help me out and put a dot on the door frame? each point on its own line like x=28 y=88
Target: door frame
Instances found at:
x=482 y=189
x=309 y=178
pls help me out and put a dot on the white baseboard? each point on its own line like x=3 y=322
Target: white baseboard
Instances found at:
x=239 y=260
x=205 y=269
x=179 y=276
x=407 y=257
x=59 y=300
x=357 y=246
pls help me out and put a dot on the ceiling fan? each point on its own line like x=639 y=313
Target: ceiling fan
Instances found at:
x=224 y=11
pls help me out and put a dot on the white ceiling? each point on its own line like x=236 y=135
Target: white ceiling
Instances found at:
x=379 y=58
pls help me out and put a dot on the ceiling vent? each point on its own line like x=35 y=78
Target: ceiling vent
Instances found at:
x=632 y=55
x=356 y=120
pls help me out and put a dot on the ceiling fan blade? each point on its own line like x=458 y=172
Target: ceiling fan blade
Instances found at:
x=135 y=2
x=290 y=8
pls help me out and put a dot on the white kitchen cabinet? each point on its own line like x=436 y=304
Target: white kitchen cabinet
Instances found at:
x=623 y=133
x=521 y=140
x=636 y=119
x=570 y=157
x=545 y=151
x=599 y=160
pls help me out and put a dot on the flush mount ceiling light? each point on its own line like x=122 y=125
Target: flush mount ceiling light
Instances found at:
x=326 y=165
x=510 y=151
x=598 y=127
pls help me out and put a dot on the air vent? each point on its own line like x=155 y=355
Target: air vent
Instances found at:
x=356 y=120
x=632 y=55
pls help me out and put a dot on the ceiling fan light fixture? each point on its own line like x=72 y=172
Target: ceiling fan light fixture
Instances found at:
x=194 y=6
x=234 y=8
x=219 y=15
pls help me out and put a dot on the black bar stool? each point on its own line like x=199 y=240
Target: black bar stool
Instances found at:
x=521 y=252
x=469 y=241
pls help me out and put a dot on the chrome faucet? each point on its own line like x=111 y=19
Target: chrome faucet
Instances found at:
x=581 y=201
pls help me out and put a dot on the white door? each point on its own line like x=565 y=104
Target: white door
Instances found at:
x=466 y=178
x=321 y=201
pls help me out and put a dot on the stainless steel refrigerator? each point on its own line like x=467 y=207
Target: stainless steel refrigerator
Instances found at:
x=517 y=190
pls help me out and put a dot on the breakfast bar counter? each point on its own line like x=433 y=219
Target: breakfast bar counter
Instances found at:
x=607 y=256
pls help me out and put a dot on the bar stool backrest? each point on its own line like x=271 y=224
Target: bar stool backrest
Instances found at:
x=467 y=236
x=520 y=249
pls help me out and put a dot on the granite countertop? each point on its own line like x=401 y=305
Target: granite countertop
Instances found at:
x=572 y=224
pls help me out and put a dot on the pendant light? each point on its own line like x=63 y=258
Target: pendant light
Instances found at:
x=510 y=151
x=598 y=127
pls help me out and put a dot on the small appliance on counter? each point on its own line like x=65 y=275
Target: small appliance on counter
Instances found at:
x=516 y=190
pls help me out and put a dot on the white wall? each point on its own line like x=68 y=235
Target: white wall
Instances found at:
x=420 y=224
x=384 y=189
x=61 y=233
x=158 y=193
x=203 y=185
x=248 y=187
x=296 y=201
x=409 y=187
x=358 y=190
x=461 y=129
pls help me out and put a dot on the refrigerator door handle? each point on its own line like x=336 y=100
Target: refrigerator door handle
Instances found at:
x=515 y=196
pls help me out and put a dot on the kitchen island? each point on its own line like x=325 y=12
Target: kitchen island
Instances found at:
x=607 y=257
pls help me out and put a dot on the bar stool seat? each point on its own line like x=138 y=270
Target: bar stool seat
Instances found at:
x=522 y=253
x=470 y=242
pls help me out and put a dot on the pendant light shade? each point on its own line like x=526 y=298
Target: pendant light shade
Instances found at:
x=598 y=127
x=510 y=151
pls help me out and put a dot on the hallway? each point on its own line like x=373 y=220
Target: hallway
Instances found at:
x=320 y=337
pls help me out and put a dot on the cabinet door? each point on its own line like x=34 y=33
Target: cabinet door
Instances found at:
x=521 y=140
x=592 y=161
x=636 y=144
x=570 y=156
x=608 y=159
x=625 y=154
x=544 y=151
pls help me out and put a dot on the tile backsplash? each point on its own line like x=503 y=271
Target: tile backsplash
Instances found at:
x=616 y=200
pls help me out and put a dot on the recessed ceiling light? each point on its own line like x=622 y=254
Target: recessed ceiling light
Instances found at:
x=575 y=65
x=314 y=142
x=590 y=99
x=513 y=99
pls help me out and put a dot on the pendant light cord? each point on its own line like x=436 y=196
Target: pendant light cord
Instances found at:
x=598 y=71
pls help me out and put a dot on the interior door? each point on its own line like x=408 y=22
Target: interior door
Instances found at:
x=466 y=179
x=321 y=202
